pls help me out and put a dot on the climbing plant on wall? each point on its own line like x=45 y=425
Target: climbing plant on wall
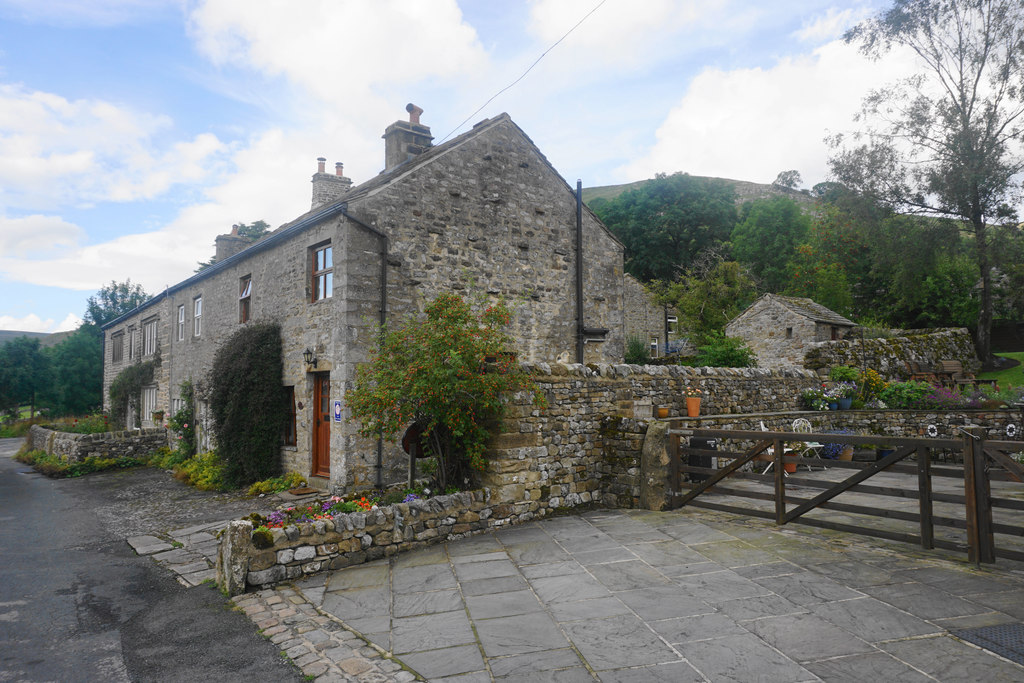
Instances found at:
x=126 y=390
x=247 y=402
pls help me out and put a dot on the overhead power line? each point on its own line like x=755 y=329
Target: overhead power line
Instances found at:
x=528 y=70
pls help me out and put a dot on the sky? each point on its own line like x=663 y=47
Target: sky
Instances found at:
x=133 y=132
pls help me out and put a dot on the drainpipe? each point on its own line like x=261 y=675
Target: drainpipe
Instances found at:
x=579 y=271
x=379 y=467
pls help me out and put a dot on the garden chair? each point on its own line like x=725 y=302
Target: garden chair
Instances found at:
x=771 y=452
x=811 y=449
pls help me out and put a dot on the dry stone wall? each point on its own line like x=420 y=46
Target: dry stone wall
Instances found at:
x=889 y=356
x=76 y=447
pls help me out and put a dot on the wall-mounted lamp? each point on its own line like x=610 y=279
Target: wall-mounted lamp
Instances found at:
x=308 y=356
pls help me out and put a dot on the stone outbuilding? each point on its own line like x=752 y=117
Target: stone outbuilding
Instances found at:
x=484 y=214
x=780 y=330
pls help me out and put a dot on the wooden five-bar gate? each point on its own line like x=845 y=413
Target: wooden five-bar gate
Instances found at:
x=975 y=461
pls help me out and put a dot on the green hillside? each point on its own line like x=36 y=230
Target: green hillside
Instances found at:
x=745 y=191
x=45 y=338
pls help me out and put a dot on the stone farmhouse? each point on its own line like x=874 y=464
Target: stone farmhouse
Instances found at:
x=484 y=213
x=781 y=329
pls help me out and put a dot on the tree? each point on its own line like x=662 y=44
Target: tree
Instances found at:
x=113 y=301
x=789 y=180
x=24 y=374
x=767 y=237
x=449 y=374
x=76 y=387
x=713 y=292
x=666 y=222
x=947 y=141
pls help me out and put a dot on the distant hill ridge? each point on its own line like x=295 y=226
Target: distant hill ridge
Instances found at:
x=745 y=191
x=45 y=338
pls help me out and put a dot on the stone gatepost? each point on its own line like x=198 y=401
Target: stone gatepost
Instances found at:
x=654 y=467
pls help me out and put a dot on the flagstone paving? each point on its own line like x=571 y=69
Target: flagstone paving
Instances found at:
x=627 y=595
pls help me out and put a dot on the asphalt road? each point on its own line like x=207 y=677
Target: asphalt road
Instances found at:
x=77 y=604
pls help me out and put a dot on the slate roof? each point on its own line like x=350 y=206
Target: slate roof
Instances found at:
x=809 y=309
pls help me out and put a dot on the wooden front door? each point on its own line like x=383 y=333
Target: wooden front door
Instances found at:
x=322 y=424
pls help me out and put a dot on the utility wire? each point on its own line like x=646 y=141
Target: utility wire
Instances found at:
x=528 y=70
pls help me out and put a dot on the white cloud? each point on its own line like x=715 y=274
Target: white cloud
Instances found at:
x=36 y=233
x=55 y=151
x=343 y=52
x=33 y=323
x=749 y=124
x=830 y=25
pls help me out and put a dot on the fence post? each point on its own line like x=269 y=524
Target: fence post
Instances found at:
x=780 y=485
x=977 y=495
x=924 y=487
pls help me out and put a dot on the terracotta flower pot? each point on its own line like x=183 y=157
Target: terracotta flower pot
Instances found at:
x=692 y=406
x=846 y=453
x=662 y=412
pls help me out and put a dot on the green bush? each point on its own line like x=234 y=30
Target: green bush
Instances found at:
x=166 y=459
x=126 y=390
x=291 y=480
x=844 y=373
x=206 y=471
x=637 y=352
x=906 y=394
x=57 y=466
x=725 y=352
x=183 y=422
x=248 y=403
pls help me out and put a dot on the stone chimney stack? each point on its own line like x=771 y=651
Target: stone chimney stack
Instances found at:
x=328 y=187
x=404 y=140
x=229 y=245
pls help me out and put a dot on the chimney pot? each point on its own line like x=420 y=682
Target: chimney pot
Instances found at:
x=339 y=169
x=320 y=161
x=414 y=113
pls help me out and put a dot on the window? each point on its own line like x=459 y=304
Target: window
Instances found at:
x=244 y=299
x=289 y=428
x=789 y=333
x=197 y=321
x=117 y=347
x=670 y=322
x=149 y=338
x=176 y=405
x=323 y=277
x=131 y=343
x=181 y=322
x=654 y=347
x=148 y=402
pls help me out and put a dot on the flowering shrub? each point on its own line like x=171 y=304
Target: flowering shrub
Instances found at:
x=814 y=399
x=905 y=394
x=871 y=384
x=93 y=424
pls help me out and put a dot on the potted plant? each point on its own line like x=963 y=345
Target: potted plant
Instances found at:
x=692 y=401
x=835 y=450
x=847 y=392
x=813 y=399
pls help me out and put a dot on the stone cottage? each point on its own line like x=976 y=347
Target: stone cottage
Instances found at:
x=782 y=329
x=484 y=213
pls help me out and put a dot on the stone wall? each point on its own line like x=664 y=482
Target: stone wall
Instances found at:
x=357 y=537
x=76 y=447
x=889 y=356
x=584 y=447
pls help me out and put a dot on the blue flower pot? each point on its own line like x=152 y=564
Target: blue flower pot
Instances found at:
x=833 y=405
x=845 y=403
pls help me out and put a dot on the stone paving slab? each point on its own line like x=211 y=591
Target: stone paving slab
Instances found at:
x=629 y=595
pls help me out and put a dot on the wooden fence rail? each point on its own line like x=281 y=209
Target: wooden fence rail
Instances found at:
x=976 y=461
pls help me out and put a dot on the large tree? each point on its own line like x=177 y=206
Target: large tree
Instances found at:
x=767 y=237
x=666 y=222
x=947 y=141
x=113 y=301
x=24 y=374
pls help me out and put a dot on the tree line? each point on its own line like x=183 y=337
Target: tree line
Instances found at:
x=918 y=225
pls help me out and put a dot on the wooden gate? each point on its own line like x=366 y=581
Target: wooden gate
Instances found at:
x=972 y=459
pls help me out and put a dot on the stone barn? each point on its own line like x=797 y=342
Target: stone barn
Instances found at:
x=780 y=330
x=484 y=214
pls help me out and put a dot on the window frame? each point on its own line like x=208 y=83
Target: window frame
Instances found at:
x=289 y=438
x=245 y=299
x=149 y=402
x=322 y=280
x=150 y=336
x=117 y=347
x=197 y=316
x=181 y=322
